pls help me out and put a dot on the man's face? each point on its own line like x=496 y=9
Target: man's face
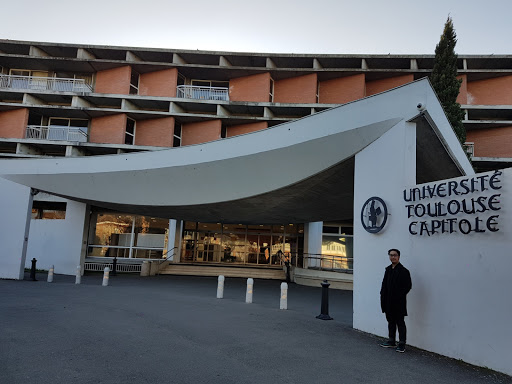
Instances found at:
x=393 y=257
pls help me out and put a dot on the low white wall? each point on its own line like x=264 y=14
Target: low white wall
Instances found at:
x=459 y=305
x=15 y=208
x=58 y=242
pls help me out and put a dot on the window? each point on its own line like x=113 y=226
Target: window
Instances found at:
x=271 y=94
x=177 y=135
x=134 y=83
x=129 y=136
x=181 y=79
x=240 y=243
x=48 y=210
x=337 y=247
x=62 y=128
x=210 y=83
x=125 y=235
x=210 y=90
x=19 y=72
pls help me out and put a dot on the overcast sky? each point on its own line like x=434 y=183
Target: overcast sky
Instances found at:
x=288 y=26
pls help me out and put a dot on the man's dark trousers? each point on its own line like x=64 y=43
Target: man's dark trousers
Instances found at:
x=395 y=321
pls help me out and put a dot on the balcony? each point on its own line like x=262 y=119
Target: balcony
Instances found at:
x=44 y=83
x=469 y=148
x=41 y=132
x=202 y=93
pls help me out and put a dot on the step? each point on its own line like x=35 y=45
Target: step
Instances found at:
x=227 y=271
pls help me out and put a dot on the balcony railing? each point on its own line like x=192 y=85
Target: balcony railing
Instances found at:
x=470 y=149
x=42 y=132
x=44 y=83
x=202 y=93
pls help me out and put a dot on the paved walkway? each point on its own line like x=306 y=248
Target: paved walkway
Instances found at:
x=172 y=329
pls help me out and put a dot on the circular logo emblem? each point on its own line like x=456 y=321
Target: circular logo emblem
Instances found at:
x=374 y=214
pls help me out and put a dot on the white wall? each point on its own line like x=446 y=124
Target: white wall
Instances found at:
x=15 y=209
x=459 y=305
x=58 y=242
x=381 y=170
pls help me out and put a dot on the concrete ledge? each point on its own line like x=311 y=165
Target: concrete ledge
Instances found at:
x=313 y=278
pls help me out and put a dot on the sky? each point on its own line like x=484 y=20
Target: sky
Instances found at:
x=273 y=26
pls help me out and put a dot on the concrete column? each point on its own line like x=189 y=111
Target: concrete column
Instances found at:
x=175 y=231
x=16 y=208
x=313 y=242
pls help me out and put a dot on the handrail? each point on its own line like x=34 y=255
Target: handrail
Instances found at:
x=43 y=132
x=60 y=84
x=160 y=262
x=166 y=253
x=324 y=262
x=202 y=93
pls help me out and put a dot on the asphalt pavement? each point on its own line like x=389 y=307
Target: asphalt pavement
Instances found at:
x=173 y=329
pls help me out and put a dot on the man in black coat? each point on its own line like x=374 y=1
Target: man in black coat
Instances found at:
x=393 y=300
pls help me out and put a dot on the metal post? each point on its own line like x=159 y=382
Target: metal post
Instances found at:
x=287 y=265
x=324 y=315
x=50 y=274
x=33 y=270
x=283 y=303
x=248 y=294
x=106 y=272
x=220 y=287
x=114 y=266
x=78 y=278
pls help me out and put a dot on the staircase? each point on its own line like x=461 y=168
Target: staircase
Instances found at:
x=274 y=273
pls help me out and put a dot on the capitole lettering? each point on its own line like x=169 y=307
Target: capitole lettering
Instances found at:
x=444 y=217
x=464 y=226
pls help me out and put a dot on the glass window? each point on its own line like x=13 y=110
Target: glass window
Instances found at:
x=113 y=229
x=278 y=229
x=233 y=228
x=151 y=232
x=337 y=252
x=134 y=83
x=129 y=137
x=177 y=135
x=259 y=228
x=329 y=229
x=239 y=243
x=125 y=235
x=48 y=210
x=192 y=225
x=209 y=227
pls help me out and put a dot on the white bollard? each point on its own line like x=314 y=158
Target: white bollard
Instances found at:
x=106 y=272
x=283 y=303
x=78 y=278
x=50 y=274
x=248 y=295
x=220 y=287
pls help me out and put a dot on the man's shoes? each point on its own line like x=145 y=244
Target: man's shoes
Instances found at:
x=400 y=348
x=388 y=344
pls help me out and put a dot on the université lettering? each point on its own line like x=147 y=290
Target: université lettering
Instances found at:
x=457 y=205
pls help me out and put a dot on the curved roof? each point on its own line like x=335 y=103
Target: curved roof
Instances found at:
x=294 y=172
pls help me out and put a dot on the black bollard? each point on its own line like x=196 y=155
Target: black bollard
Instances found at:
x=324 y=315
x=33 y=270
x=114 y=265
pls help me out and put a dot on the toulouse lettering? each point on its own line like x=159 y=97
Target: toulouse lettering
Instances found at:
x=436 y=217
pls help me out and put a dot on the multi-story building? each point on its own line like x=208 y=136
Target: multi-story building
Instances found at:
x=81 y=100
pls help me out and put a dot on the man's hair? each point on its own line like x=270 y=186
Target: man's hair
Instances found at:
x=394 y=249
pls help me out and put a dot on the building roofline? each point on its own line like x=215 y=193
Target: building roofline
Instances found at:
x=256 y=54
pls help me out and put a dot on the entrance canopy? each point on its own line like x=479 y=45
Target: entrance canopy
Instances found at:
x=300 y=171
